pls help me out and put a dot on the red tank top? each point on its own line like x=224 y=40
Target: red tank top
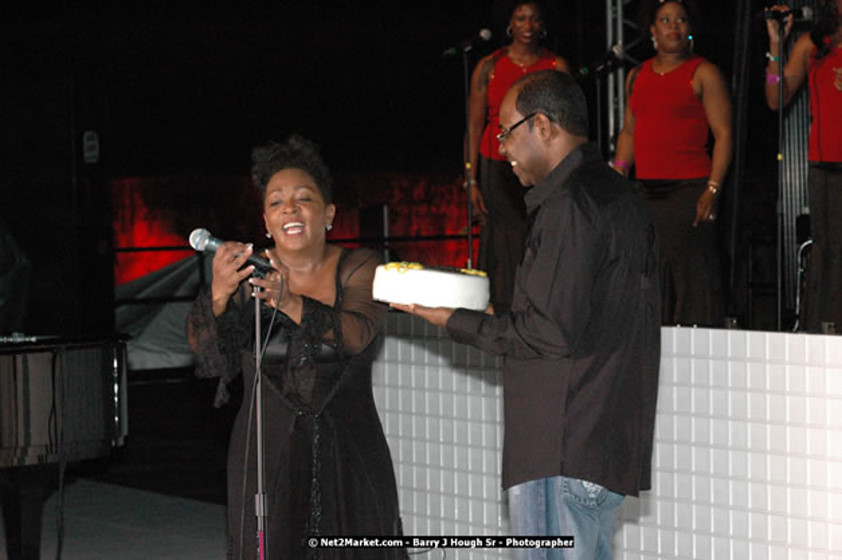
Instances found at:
x=826 y=107
x=503 y=75
x=670 y=128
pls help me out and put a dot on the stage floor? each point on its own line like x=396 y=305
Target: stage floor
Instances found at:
x=162 y=494
x=106 y=521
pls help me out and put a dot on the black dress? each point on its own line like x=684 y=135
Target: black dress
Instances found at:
x=328 y=467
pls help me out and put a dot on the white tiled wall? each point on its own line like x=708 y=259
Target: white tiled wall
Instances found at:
x=748 y=451
x=441 y=405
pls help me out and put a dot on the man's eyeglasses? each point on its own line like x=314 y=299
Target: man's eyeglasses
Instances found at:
x=506 y=132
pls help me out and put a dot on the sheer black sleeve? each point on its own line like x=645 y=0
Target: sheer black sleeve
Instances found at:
x=357 y=321
x=216 y=341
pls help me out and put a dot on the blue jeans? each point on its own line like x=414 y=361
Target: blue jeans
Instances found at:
x=561 y=506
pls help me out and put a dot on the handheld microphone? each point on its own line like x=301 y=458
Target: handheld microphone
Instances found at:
x=798 y=14
x=607 y=63
x=468 y=44
x=202 y=240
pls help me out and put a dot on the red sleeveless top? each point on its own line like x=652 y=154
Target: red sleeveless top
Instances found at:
x=503 y=75
x=825 y=87
x=670 y=128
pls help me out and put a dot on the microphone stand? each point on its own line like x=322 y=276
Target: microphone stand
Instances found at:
x=599 y=132
x=610 y=65
x=468 y=152
x=778 y=205
x=260 y=496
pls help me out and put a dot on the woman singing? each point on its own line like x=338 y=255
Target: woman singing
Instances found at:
x=328 y=467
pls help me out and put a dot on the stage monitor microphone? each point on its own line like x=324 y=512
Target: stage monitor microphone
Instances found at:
x=798 y=14
x=468 y=44
x=606 y=64
x=202 y=240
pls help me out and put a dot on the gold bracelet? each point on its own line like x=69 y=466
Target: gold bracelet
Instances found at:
x=713 y=187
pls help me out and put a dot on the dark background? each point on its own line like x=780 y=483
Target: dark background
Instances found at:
x=188 y=85
x=175 y=88
x=193 y=86
x=184 y=87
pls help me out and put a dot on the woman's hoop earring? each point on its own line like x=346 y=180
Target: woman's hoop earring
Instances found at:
x=329 y=227
x=509 y=31
x=654 y=43
x=268 y=235
x=692 y=43
x=543 y=34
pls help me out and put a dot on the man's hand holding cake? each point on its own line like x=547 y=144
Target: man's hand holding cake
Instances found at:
x=431 y=292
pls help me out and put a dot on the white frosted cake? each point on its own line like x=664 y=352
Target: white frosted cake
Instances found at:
x=407 y=283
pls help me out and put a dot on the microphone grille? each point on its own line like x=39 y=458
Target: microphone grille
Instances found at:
x=199 y=239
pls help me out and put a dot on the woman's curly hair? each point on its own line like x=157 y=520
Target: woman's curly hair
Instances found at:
x=294 y=153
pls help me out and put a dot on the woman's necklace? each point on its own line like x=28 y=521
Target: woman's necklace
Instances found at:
x=664 y=69
x=521 y=61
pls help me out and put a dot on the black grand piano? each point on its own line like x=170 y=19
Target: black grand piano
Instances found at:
x=61 y=401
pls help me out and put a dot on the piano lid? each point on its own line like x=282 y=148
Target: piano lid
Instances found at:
x=20 y=338
x=20 y=342
x=61 y=399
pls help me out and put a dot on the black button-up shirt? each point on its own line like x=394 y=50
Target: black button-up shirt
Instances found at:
x=581 y=345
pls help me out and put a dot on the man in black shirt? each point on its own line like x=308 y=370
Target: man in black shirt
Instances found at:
x=581 y=344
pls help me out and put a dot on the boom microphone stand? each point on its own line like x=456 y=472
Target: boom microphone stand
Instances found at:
x=467 y=76
x=779 y=204
x=467 y=46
